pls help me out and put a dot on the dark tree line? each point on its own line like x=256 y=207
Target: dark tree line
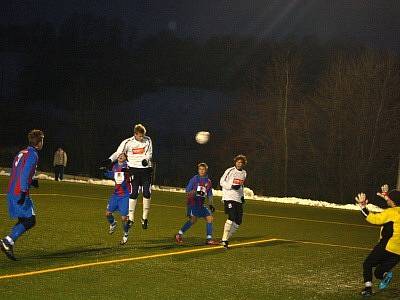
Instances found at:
x=317 y=120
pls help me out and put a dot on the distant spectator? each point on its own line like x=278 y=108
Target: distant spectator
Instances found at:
x=59 y=163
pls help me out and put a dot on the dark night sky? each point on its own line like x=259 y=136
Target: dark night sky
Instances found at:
x=375 y=23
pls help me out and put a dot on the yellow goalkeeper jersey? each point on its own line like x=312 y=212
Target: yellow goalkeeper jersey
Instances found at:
x=389 y=215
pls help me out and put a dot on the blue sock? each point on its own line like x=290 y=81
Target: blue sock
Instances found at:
x=209 y=227
x=126 y=227
x=186 y=226
x=17 y=231
x=110 y=219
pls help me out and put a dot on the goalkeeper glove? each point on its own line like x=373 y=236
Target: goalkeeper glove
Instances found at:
x=362 y=200
x=235 y=187
x=21 y=200
x=385 y=192
x=145 y=162
x=35 y=183
x=212 y=208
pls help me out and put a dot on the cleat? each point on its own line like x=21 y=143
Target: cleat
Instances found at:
x=366 y=292
x=112 y=228
x=225 y=244
x=130 y=223
x=145 y=223
x=178 y=238
x=7 y=248
x=212 y=242
x=386 y=280
x=124 y=240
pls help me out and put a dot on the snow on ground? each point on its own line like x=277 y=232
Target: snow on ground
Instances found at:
x=249 y=194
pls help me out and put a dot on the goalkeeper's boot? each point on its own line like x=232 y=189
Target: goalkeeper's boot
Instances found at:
x=7 y=248
x=367 y=291
x=124 y=239
x=212 y=242
x=145 y=223
x=225 y=244
x=112 y=227
x=178 y=238
x=386 y=280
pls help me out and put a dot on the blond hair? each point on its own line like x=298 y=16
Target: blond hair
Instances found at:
x=202 y=164
x=139 y=128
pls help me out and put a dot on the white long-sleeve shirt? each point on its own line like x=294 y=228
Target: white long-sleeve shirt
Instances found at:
x=135 y=151
x=232 y=176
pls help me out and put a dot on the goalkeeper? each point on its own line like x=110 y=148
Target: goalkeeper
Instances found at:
x=198 y=188
x=386 y=254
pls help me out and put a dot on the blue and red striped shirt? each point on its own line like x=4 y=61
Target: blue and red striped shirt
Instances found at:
x=23 y=169
x=198 y=183
x=122 y=181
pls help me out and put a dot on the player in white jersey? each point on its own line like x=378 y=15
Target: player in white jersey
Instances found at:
x=232 y=183
x=139 y=151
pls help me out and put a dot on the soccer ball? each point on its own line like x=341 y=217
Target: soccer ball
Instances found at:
x=202 y=137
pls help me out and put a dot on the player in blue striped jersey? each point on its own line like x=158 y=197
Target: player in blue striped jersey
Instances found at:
x=20 y=205
x=198 y=189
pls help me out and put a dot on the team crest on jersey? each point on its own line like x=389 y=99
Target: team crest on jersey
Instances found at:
x=119 y=177
x=138 y=150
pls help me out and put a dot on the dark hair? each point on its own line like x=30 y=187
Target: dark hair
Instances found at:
x=35 y=136
x=395 y=197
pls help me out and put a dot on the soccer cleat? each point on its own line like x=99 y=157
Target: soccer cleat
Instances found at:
x=7 y=248
x=225 y=244
x=212 y=242
x=367 y=291
x=124 y=240
x=145 y=223
x=386 y=280
x=178 y=238
x=112 y=228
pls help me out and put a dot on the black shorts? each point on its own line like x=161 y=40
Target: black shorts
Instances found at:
x=141 y=177
x=234 y=210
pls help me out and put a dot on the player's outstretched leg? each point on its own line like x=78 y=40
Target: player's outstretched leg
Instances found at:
x=112 y=222
x=126 y=227
x=184 y=228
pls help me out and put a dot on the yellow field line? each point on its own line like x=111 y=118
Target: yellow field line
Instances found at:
x=108 y=262
x=247 y=214
x=325 y=244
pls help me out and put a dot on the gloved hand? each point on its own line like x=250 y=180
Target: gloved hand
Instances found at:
x=35 y=183
x=145 y=162
x=212 y=208
x=235 y=186
x=362 y=200
x=385 y=192
x=21 y=200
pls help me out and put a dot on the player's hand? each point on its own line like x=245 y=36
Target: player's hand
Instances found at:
x=145 y=162
x=385 y=192
x=362 y=200
x=21 y=200
x=243 y=200
x=212 y=208
x=235 y=186
x=35 y=183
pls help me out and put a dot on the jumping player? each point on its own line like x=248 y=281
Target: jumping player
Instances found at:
x=232 y=183
x=198 y=189
x=386 y=254
x=119 y=200
x=20 y=205
x=139 y=152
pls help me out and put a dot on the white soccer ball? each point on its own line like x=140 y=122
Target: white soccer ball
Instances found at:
x=202 y=137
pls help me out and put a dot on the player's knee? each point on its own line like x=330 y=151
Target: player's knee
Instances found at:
x=193 y=219
x=124 y=218
x=209 y=219
x=134 y=195
x=108 y=213
x=28 y=223
x=379 y=273
x=146 y=193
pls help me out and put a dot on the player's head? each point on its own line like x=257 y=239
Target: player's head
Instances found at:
x=240 y=161
x=121 y=158
x=394 y=198
x=139 y=131
x=35 y=138
x=202 y=169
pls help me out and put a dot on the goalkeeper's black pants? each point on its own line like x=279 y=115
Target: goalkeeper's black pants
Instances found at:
x=380 y=259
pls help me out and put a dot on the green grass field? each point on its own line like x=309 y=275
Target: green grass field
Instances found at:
x=317 y=253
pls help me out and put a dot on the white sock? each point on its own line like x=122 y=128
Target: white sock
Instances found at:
x=227 y=228
x=368 y=284
x=233 y=229
x=146 y=208
x=10 y=240
x=132 y=206
x=180 y=232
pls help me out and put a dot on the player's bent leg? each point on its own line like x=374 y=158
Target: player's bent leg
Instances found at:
x=132 y=207
x=146 y=210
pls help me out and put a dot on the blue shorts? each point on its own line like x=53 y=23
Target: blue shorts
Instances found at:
x=15 y=210
x=120 y=203
x=198 y=211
